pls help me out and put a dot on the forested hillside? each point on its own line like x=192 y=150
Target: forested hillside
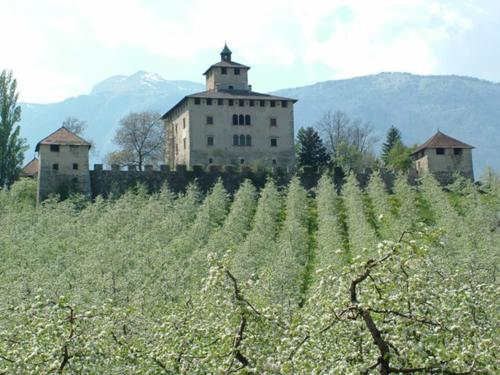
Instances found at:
x=463 y=107
x=269 y=282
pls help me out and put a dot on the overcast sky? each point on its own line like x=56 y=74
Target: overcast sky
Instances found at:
x=61 y=48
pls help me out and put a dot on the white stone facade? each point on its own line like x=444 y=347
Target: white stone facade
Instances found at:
x=229 y=124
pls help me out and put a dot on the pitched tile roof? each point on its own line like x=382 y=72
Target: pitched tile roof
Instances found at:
x=227 y=94
x=63 y=136
x=441 y=140
x=236 y=94
x=30 y=169
x=227 y=64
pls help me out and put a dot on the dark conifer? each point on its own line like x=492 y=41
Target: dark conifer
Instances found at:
x=393 y=138
x=310 y=149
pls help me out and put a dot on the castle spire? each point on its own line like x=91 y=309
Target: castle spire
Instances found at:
x=226 y=53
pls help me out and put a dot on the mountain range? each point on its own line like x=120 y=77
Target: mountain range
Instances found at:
x=462 y=107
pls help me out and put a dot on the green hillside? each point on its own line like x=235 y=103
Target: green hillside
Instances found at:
x=269 y=282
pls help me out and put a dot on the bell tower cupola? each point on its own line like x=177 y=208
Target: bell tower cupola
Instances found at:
x=226 y=54
x=227 y=74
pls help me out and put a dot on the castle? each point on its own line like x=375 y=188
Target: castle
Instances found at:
x=229 y=124
x=210 y=134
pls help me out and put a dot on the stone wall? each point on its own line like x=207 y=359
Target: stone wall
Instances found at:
x=116 y=181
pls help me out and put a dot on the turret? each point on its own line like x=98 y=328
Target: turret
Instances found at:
x=227 y=74
x=63 y=164
x=225 y=54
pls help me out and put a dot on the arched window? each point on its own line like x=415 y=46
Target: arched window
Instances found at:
x=249 y=140
x=242 y=140
x=235 y=119
x=247 y=120
x=235 y=140
x=242 y=120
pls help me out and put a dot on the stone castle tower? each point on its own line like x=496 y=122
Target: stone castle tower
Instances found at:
x=63 y=164
x=229 y=124
x=444 y=156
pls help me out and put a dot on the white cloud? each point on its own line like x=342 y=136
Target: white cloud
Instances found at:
x=377 y=36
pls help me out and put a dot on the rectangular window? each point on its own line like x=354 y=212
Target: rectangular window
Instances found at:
x=236 y=140
x=457 y=151
x=440 y=151
x=252 y=103
x=197 y=101
x=241 y=102
x=236 y=71
x=220 y=101
x=75 y=166
x=210 y=120
x=223 y=70
x=230 y=102
x=55 y=167
x=262 y=103
x=54 y=148
x=184 y=123
x=284 y=103
x=274 y=142
x=210 y=141
x=184 y=141
x=272 y=103
x=273 y=121
x=209 y=101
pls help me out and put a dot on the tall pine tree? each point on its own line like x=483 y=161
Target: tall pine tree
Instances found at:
x=310 y=149
x=12 y=146
x=393 y=137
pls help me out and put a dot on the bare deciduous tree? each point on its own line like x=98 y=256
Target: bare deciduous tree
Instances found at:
x=75 y=125
x=349 y=141
x=141 y=137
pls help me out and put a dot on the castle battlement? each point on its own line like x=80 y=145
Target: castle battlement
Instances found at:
x=117 y=180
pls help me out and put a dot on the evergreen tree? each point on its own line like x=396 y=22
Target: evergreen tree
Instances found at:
x=393 y=137
x=311 y=150
x=12 y=146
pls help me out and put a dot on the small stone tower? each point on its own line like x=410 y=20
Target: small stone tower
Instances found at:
x=63 y=162
x=444 y=156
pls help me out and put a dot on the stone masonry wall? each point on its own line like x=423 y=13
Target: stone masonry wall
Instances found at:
x=115 y=181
